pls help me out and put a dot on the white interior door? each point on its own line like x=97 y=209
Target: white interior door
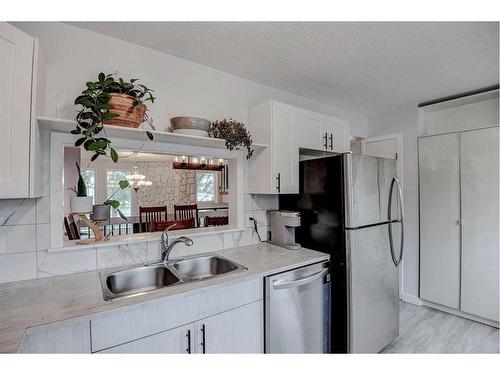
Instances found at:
x=439 y=219
x=16 y=64
x=479 y=192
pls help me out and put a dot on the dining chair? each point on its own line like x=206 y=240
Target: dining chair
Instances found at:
x=71 y=228
x=211 y=221
x=186 y=211
x=148 y=215
x=157 y=226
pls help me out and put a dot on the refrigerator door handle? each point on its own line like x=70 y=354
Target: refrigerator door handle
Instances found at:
x=396 y=182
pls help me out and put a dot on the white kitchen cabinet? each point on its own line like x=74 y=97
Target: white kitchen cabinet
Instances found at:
x=274 y=169
x=480 y=222
x=19 y=99
x=316 y=131
x=337 y=133
x=70 y=338
x=309 y=130
x=439 y=219
x=240 y=330
x=174 y=341
x=120 y=327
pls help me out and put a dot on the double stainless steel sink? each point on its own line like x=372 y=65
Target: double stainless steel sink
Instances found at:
x=142 y=279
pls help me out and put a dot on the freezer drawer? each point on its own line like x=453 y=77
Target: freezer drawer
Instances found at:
x=297 y=310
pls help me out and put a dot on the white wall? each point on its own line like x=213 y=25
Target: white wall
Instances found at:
x=405 y=120
x=75 y=56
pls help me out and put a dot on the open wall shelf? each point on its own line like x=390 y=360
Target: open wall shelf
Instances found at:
x=65 y=126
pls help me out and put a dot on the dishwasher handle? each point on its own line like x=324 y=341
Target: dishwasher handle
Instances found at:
x=299 y=282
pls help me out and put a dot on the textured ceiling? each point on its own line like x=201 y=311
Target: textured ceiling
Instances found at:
x=362 y=66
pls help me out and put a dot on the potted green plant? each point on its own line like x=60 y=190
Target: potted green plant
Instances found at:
x=234 y=133
x=102 y=211
x=114 y=101
x=80 y=203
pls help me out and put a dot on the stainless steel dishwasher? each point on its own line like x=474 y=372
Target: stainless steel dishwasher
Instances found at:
x=297 y=310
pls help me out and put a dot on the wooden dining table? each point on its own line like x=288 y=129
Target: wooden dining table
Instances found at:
x=117 y=226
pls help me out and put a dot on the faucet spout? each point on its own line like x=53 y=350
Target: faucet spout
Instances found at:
x=166 y=253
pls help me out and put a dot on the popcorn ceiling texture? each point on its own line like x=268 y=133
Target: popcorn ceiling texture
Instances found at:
x=170 y=186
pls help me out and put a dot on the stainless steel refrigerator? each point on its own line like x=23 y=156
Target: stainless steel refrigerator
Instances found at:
x=351 y=207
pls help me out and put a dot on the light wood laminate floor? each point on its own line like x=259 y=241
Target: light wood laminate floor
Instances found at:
x=425 y=330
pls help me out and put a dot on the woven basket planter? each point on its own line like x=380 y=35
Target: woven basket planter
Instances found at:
x=129 y=116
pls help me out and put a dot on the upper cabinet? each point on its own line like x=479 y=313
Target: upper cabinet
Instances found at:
x=275 y=170
x=18 y=143
x=310 y=130
x=336 y=133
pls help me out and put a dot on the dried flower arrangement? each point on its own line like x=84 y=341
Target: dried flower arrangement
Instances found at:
x=234 y=133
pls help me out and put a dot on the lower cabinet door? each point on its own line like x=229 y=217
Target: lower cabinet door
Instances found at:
x=177 y=341
x=240 y=330
x=70 y=338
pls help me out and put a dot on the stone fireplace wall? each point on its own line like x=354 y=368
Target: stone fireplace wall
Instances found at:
x=170 y=186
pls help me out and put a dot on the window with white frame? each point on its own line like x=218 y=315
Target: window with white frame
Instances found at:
x=89 y=178
x=206 y=186
x=113 y=177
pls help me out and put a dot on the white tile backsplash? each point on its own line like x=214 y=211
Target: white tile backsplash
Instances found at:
x=42 y=209
x=265 y=202
x=42 y=236
x=17 y=239
x=205 y=244
x=61 y=263
x=121 y=255
x=17 y=211
x=15 y=267
x=25 y=238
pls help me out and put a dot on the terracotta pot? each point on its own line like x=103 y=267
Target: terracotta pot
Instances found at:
x=129 y=116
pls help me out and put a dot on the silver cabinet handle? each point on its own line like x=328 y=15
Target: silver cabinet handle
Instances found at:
x=396 y=182
x=299 y=282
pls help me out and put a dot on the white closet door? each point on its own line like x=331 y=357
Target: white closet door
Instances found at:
x=439 y=220
x=479 y=180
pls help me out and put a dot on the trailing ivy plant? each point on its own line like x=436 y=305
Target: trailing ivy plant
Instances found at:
x=123 y=184
x=234 y=133
x=96 y=110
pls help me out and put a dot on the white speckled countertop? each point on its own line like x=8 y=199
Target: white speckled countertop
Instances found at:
x=32 y=303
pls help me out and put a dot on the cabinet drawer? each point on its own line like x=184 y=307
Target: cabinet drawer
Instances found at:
x=175 y=341
x=70 y=338
x=122 y=326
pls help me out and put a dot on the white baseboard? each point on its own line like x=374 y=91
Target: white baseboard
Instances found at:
x=410 y=298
